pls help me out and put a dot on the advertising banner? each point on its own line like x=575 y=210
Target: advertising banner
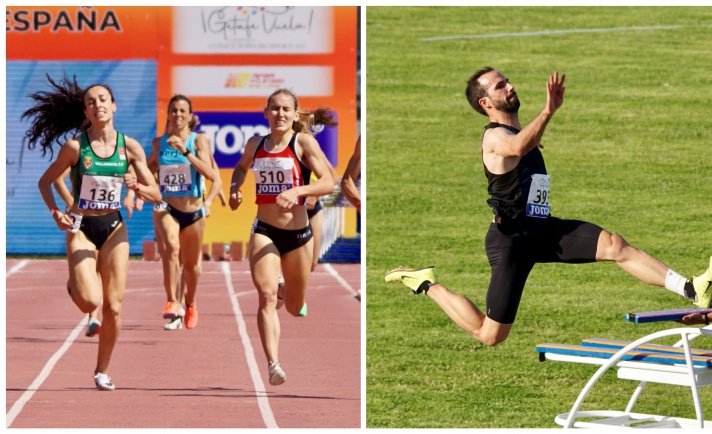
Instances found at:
x=228 y=133
x=81 y=32
x=253 y=81
x=230 y=59
x=252 y=30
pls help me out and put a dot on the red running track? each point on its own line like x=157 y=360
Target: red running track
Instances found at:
x=213 y=376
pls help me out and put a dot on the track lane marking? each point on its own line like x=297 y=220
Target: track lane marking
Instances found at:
x=262 y=401
x=339 y=279
x=44 y=373
x=552 y=32
x=20 y=265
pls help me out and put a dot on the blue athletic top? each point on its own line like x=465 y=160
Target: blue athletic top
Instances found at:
x=176 y=176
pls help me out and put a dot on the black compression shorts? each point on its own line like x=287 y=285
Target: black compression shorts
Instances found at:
x=512 y=258
x=98 y=228
x=184 y=219
x=285 y=240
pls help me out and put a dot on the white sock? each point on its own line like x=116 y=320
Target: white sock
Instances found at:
x=675 y=283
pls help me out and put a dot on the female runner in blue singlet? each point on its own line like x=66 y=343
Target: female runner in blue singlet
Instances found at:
x=183 y=159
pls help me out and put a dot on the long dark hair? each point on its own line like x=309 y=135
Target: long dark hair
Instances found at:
x=307 y=119
x=57 y=114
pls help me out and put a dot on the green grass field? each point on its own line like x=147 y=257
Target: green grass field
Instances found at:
x=629 y=150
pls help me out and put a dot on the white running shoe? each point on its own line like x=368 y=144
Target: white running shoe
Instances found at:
x=280 y=292
x=175 y=324
x=103 y=382
x=181 y=309
x=276 y=374
x=93 y=327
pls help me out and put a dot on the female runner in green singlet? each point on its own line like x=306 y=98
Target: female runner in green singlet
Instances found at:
x=96 y=238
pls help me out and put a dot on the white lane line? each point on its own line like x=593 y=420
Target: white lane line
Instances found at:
x=262 y=400
x=549 y=32
x=20 y=265
x=339 y=279
x=27 y=394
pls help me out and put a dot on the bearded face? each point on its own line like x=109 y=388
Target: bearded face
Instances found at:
x=508 y=105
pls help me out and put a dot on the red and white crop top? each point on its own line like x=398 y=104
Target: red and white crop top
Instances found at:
x=276 y=172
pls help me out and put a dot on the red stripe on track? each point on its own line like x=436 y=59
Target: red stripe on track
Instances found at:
x=188 y=378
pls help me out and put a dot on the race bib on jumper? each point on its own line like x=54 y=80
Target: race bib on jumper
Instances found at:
x=273 y=175
x=175 y=178
x=100 y=192
x=538 y=201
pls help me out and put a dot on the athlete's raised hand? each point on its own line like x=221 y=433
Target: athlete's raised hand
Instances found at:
x=555 y=92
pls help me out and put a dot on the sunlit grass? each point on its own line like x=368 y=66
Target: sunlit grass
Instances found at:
x=628 y=150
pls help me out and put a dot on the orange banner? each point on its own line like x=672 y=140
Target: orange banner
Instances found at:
x=81 y=32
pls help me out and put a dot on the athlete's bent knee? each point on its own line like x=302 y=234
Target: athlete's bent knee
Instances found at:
x=618 y=245
x=491 y=341
x=492 y=333
x=613 y=247
x=86 y=306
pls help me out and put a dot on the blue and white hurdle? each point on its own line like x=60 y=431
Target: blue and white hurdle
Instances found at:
x=641 y=361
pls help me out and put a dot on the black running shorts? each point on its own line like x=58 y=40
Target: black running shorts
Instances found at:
x=512 y=258
x=98 y=228
x=285 y=240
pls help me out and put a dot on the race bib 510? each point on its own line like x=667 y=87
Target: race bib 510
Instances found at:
x=273 y=175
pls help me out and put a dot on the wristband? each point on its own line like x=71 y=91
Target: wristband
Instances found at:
x=53 y=210
x=138 y=187
x=186 y=153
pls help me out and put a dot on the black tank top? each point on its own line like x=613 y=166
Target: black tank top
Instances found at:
x=509 y=191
